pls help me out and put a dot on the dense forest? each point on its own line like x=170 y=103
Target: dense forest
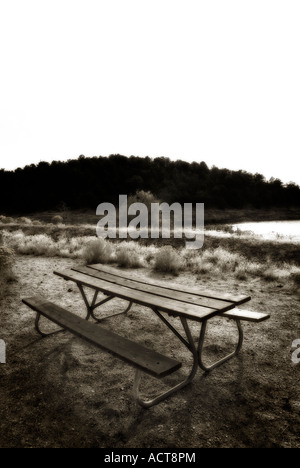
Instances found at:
x=83 y=183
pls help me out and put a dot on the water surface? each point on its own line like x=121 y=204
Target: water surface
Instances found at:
x=272 y=229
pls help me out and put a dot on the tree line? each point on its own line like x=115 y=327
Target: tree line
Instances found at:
x=84 y=183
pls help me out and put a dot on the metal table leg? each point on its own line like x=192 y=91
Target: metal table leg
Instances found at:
x=226 y=358
x=93 y=305
x=137 y=381
x=37 y=327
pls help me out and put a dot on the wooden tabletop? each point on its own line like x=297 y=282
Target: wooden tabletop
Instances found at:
x=191 y=303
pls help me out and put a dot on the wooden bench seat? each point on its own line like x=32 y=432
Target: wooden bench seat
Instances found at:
x=246 y=315
x=142 y=358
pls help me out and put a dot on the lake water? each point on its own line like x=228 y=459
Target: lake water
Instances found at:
x=273 y=229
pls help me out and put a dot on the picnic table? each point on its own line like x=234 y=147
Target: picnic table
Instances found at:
x=166 y=300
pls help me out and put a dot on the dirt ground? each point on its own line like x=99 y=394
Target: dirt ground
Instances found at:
x=62 y=392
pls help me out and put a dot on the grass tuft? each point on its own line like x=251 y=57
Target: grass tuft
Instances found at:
x=6 y=269
x=213 y=260
x=167 y=260
x=128 y=258
x=57 y=219
x=97 y=251
x=24 y=220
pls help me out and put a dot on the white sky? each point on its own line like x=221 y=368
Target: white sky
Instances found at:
x=213 y=80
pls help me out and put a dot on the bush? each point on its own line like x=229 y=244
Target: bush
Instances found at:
x=222 y=259
x=128 y=259
x=198 y=266
x=6 y=220
x=24 y=220
x=97 y=251
x=167 y=260
x=143 y=197
x=6 y=259
x=295 y=277
x=273 y=273
x=40 y=244
x=241 y=272
x=6 y=264
x=57 y=219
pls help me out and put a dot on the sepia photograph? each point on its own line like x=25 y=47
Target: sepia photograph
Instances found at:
x=149 y=226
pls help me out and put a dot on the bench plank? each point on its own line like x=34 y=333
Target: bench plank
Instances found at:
x=195 y=312
x=143 y=358
x=154 y=289
x=246 y=315
x=235 y=299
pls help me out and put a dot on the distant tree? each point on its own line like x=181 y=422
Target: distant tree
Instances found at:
x=85 y=182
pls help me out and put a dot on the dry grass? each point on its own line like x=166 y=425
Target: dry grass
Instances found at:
x=128 y=258
x=168 y=260
x=57 y=219
x=97 y=251
x=24 y=220
x=6 y=269
x=218 y=257
x=45 y=245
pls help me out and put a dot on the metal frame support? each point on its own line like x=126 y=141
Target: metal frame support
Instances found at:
x=197 y=359
x=226 y=358
x=37 y=327
x=93 y=305
x=138 y=375
x=37 y=319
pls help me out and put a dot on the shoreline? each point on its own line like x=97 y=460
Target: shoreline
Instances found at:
x=211 y=216
x=250 y=215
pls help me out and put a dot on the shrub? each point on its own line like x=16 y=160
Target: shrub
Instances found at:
x=198 y=266
x=6 y=264
x=146 y=198
x=24 y=220
x=273 y=273
x=6 y=272
x=295 y=277
x=39 y=244
x=167 y=260
x=97 y=251
x=241 y=271
x=57 y=219
x=128 y=259
x=6 y=220
x=6 y=258
x=143 y=197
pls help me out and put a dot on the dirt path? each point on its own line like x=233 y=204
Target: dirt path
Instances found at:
x=61 y=392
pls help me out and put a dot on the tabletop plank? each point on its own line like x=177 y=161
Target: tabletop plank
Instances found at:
x=237 y=299
x=195 y=312
x=158 y=290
